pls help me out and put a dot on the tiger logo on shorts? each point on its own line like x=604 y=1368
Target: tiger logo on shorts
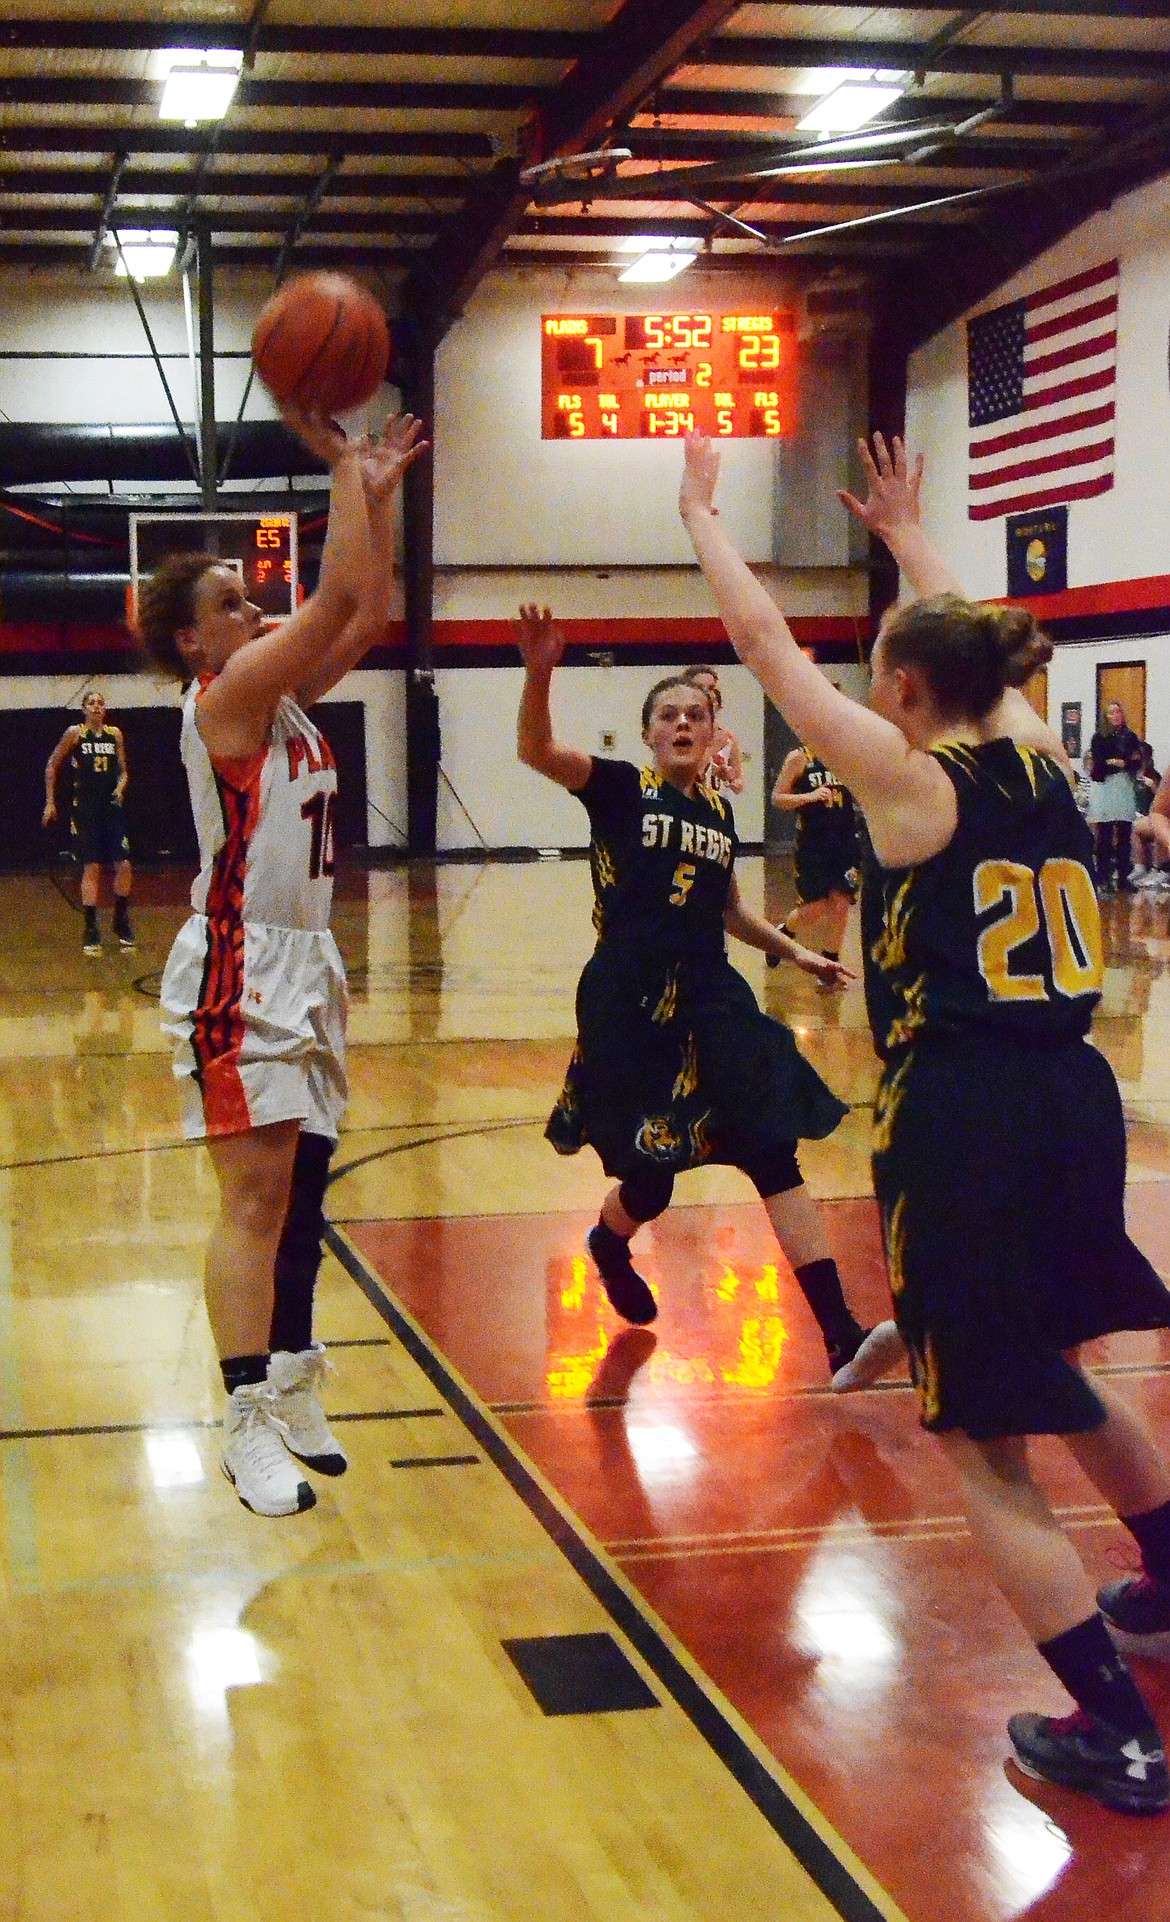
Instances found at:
x=657 y=1139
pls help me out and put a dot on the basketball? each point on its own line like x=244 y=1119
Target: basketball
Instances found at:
x=322 y=341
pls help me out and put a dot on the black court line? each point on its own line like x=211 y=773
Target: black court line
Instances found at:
x=363 y=1341
x=437 y=1461
x=793 y=1827
x=181 y=1427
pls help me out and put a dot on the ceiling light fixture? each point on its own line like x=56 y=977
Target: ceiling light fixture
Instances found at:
x=659 y=258
x=199 y=86
x=144 y=254
x=848 y=107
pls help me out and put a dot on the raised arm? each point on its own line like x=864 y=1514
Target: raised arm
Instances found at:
x=542 y=643
x=383 y=464
x=235 y=712
x=892 y=511
x=61 y=753
x=900 y=790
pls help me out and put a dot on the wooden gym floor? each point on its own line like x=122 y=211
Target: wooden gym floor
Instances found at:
x=774 y=1677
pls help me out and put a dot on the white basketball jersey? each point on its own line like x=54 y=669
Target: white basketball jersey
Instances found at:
x=265 y=824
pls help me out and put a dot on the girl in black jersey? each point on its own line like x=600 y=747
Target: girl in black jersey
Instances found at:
x=97 y=755
x=999 y=1143
x=675 y=1064
x=826 y=854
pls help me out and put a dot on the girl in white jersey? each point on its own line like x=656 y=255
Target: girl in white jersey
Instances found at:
x=253 y=994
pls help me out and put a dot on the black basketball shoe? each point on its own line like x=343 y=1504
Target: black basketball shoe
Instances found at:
x=627 y=1291
x=1077 y=1751
x=1137 y=1605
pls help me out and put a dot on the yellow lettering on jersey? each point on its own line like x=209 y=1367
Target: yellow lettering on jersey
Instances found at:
x=686 y=831
x=1072 y=921
x=684 y=880
x=997 y=882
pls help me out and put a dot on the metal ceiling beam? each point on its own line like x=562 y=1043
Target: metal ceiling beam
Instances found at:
x=98 y=137
x=456 y=43
x=604 y=228
x=716 y=146
x=841 y=189
x=31 y=220
x=161 y=182
x=760 y=104
x=375 y=261
x=335 y=96
x=643 y=43
x=956 y=56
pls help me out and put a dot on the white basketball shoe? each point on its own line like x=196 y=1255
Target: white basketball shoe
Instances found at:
x=255 y=1459
x=295 y=1379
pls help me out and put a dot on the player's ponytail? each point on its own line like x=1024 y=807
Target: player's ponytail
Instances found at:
x=166 y=605
x=967 y=653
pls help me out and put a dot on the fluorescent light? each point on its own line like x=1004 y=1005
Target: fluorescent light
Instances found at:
x=199 y=86
x=657 y=265
x=146 y=255
x=847 y=108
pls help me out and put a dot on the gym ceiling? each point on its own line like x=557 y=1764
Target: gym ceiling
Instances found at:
x=393 y=138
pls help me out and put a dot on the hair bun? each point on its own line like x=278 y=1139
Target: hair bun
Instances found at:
x=1022 y=645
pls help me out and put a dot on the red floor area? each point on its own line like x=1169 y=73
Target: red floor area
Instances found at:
x=805 y=1547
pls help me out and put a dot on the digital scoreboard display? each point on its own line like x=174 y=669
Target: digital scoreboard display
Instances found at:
x=262 y=548
x=659 y=376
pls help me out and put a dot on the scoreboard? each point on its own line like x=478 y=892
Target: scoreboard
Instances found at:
x=262 y=549
x=659 y=376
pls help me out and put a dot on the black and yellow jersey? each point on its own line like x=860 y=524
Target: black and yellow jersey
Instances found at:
x=661 y=860
x=829 y=830
x=998 y=933
x=96 y=771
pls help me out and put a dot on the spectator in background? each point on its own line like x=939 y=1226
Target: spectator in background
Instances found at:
x=1115 y=759
x=1151 y=834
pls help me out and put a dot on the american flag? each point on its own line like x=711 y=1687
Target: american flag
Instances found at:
x=1041 y=379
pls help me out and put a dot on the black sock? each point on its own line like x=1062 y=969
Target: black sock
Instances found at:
x=92 y=931
x=610 y=1243
x=121 y=912
x=832 y=954
x=243 y=1371
x=1151 y=1532
x=820 y=1284
x=299 y=1255
x=1092 y=1671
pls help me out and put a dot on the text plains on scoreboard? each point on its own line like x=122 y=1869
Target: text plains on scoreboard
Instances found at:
x=659 y=376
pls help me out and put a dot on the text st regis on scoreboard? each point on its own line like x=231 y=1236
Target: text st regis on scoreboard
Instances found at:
x=658 y=376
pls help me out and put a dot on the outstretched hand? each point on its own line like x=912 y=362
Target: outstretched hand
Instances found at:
x=539 y=639
x=385 y=460
x=894 y=489
x=823 y=968
x=320 y=435
x=700 y=476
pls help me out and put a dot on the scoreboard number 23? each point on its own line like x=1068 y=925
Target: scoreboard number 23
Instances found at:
x=660 y=376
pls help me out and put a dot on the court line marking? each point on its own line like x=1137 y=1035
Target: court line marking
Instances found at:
x=438 y=1461
x=826 y=1858
x=166 y=1427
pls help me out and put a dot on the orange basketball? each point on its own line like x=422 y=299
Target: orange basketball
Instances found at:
x=322 y=341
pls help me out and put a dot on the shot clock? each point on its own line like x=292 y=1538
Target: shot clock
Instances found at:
x=659 y=376
x=262 y=548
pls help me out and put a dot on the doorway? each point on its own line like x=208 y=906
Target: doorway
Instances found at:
x=1123 y=681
